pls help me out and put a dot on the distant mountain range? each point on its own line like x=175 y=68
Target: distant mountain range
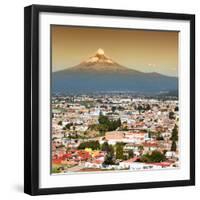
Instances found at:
x=100 y=73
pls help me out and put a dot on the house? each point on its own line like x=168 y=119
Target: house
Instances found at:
x=114 y=136
x=94 y=164
x=149 y=146
x=143 y=166
x=131 y=146
x=126 y=164
x=170 y=154
x=163 y=164
x=136 y=137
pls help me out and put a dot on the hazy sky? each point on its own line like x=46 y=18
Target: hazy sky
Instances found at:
x=147 y=51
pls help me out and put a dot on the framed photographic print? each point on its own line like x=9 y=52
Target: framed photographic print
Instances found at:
x=109 y=100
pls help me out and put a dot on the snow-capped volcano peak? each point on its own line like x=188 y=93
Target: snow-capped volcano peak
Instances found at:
x=100 y=51
x=99 y=62
x=99 y=57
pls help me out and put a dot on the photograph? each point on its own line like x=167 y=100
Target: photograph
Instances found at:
x=114 y=100
x=109 y=99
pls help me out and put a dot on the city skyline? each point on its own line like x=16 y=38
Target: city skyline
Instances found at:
x=143 y=50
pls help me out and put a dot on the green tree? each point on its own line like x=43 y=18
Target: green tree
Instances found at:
x=114 y=109
x=119 y=151
x=103 y=119
x=119 y=123
x=107 y=125
x=176 y=108
x=111 y=149
x=155 y=156
x=60 y=123
x=105 y=147
x=94 y=145
x=149 y=134
x=74 y=128
x=125 y=128
x=55 y=170
x=103 y=128
x=139 y=108
x=148 y=107
x=109 y=158
x=67 y=126
x=171 y=115
x=121 y=108
x=173 y=147
x=130 y=154
x=174 y=136
x=159 y=136
x=140 y=148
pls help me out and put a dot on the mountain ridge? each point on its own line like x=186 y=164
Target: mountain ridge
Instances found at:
x=100 y=72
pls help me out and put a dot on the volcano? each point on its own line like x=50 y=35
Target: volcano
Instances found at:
x=99 y=73
x=99 y=63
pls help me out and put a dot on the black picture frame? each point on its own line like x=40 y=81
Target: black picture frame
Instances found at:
x=31 y=99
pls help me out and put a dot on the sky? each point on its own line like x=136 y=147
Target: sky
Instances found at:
x=143 y=50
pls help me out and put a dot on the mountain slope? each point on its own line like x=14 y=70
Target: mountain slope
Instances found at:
x=99 y=63
x=100 y=73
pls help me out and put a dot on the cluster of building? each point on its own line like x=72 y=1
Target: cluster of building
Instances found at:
x=146 y=126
